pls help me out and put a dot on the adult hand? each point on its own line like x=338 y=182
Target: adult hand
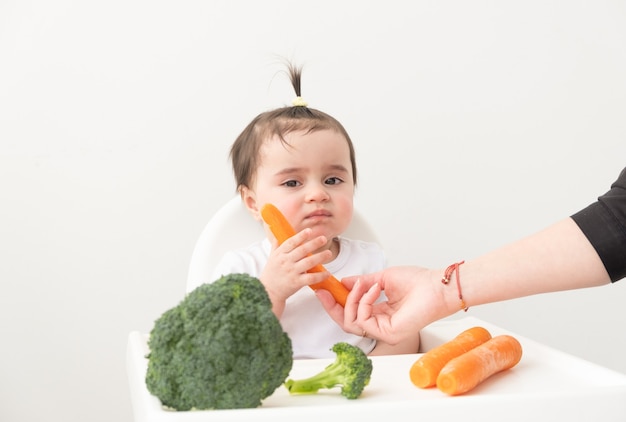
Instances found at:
x=414 y=299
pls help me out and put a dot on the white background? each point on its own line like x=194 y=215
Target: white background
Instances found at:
x=475 y=123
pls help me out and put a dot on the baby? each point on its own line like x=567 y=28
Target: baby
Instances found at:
x=302 y=161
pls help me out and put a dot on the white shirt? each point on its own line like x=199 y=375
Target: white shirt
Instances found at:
x=306 y=322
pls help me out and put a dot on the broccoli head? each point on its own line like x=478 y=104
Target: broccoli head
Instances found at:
x=351 y=370
x=221 y=347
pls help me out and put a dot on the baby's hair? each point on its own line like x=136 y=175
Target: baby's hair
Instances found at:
x=277 y=123
x=295 y=76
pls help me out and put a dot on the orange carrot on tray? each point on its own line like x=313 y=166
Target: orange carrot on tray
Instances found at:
x=465 y=372
x=282 y=230
x=425 y=370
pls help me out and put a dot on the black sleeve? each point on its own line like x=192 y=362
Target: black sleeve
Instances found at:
x=604 y=224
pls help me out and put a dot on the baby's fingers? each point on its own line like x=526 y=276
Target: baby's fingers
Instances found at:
x=294 y=241
x=315 y=277
x=302 y=243
x=311 y=261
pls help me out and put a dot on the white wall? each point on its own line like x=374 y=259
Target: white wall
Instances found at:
x=475 y=123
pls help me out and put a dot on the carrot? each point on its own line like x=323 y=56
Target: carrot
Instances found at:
x=425 y=370
x=282 y=230
x=465 y=372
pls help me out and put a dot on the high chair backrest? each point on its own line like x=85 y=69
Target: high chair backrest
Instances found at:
x=232 y=227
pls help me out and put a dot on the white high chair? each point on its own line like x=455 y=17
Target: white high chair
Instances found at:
x=232 y=227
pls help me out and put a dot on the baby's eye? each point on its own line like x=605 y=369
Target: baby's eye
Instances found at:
x=291 y=183
x=333 y=181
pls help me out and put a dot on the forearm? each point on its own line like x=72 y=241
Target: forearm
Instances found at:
x=557 y=258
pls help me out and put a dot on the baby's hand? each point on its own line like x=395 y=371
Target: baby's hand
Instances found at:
x=287 y=266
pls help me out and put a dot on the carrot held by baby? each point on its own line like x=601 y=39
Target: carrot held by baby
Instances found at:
x=282 y=230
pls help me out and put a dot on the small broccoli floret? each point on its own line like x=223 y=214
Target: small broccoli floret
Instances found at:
x=351 y=370
x=221 y=347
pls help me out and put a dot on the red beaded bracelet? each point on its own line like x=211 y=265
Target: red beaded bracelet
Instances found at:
x=446 y=279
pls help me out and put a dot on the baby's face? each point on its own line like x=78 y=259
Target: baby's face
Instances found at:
x=309 y=180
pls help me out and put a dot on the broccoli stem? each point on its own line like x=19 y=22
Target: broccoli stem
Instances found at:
x=330 y=377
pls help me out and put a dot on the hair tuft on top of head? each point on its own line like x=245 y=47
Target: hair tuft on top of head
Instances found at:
x=295 y=76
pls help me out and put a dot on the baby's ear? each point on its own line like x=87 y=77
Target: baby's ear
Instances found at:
x=248 y=198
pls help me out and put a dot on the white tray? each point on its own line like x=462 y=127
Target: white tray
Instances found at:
x=547 y=385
